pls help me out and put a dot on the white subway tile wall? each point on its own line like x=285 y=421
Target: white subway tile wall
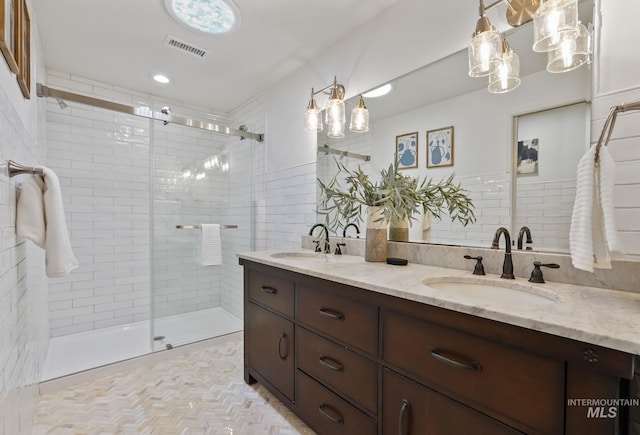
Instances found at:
x=24 y=333
x=103 y=161
x=625 y=149
x=107 y=163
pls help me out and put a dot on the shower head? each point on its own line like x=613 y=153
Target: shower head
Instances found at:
x=61 y=103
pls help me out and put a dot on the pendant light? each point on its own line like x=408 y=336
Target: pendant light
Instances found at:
x=572 y=52
x=359 y=118
x=335 y=112
x=554 y=21
x=485 y=47
x=506 y=77
x=313 y=115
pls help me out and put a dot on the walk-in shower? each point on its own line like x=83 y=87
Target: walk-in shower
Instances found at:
x=138 y=182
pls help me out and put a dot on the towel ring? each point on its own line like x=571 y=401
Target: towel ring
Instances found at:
x=17 y=169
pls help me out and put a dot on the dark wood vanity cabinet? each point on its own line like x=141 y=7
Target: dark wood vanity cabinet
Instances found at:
x=352 y=361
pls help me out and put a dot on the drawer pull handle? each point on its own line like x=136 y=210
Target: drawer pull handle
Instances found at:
x=330 y=313
x=270 y=290
x=326 y=412
x=331 y=363
x=404 y=413
x=283 y=339
x=474 y=366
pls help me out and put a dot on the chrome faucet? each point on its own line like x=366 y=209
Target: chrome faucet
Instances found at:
x=344 y=232
x=524 y=230
x=507 y=266
x=327 y=248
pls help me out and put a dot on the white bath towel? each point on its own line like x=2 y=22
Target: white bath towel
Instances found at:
x=593 y=235
x=40 y=218
x=211 y=250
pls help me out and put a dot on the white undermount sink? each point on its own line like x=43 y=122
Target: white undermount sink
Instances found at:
x=296 y=255
x=503 y=290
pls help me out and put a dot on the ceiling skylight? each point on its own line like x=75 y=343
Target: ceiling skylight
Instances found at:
x=208 y=16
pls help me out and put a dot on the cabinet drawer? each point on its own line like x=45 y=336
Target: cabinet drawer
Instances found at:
x=272 y=291
x=327 y=413
x=353 y=322
x=411 y=409
x=519 y=387
x=271 y=348
x=343 y=370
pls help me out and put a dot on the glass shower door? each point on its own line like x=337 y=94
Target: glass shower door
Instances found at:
x=199 y=178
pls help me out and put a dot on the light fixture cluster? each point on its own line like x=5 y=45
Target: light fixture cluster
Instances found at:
x=335 y=116
x=556 y=30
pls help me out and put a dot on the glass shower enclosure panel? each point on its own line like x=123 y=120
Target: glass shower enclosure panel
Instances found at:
x=198 y=178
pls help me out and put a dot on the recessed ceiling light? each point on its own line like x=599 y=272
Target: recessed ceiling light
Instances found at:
x=161 y=78
x=208 y=16
x=378 y=92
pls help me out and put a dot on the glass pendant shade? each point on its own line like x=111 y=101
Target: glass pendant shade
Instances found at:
x=572 y=52
x=335 y=130
x=359 y=118
x=313 y=116
x=484 y=49
x=506 y=77
x=335 y=112
x=553 y=22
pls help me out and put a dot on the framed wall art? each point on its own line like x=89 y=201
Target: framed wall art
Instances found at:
x=407 y=150
x=24 y=49
x=527 y=157
x=9 y=32
x=440 y=147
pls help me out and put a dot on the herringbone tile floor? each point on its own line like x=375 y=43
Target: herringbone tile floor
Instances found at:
x=202 y=392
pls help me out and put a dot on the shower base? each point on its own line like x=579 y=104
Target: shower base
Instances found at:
x=87 y=350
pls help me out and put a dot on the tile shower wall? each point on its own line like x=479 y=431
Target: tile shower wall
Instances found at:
x=24 y=332
x=103 y=161
x=105 y=164
x=185 y=193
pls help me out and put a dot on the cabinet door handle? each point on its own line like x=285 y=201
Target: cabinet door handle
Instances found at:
x=283 y=339
x=474 y=366
x=404 y=413
x=331 y=363
x=331 y=313
x=270 y=290
x=326 y=411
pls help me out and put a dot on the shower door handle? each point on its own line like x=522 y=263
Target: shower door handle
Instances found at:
x=281 y=340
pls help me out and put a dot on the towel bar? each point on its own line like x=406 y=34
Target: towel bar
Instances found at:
x=17 y=169
x=198 y=227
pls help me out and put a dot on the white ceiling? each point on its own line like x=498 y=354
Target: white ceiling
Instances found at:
x=123 y=42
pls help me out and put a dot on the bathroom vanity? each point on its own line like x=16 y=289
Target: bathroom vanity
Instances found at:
x=368 y=348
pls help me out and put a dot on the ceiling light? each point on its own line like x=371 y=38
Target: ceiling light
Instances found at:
x=572 y=52
x=556 y=30
x=485 y=47
x=378 y=92
x=161 y=78
x=335 y=117
x=208 y=16
x=359 y=118
x=553 y=22
x=506 y=77
x=313 y=115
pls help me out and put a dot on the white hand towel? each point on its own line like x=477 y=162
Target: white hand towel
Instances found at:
x=30 y=220
x=593 y=232
x=211 y=251
x=40 y=218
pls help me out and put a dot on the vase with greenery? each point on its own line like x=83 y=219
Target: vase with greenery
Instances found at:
x=394 y=197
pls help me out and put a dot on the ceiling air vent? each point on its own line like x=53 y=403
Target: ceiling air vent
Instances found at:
x=186 y=47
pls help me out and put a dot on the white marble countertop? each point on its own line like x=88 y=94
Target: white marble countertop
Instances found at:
x=603 y=317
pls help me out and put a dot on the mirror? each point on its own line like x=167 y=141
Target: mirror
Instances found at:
x=487 y=129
